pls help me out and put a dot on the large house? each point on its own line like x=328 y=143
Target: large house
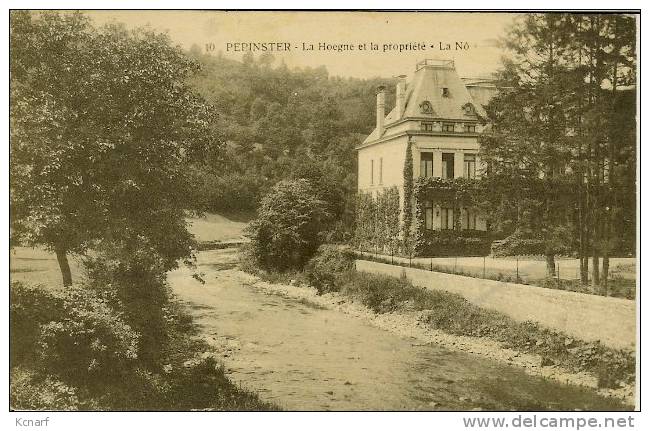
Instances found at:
x=441 y=116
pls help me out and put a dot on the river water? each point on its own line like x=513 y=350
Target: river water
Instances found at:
x=303 y=357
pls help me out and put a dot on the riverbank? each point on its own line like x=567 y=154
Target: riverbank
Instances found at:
x=187 y=375
x=304 y=356
x=412 y=324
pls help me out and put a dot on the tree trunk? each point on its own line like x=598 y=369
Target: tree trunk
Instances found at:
x=584 y=269
x=550 y=265
x=605 y=274
x=62 y=258
x=595 y=273
x=606 y=234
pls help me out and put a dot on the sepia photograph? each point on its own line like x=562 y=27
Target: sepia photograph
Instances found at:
x=370 y=210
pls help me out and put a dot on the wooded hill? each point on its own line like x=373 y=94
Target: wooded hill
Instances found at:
x=280 y=123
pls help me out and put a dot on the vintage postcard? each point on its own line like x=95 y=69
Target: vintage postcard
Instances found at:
x=325 y=211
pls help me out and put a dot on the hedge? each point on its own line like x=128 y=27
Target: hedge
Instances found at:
x=454 y=243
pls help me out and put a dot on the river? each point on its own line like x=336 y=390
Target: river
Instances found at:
x=304 y=357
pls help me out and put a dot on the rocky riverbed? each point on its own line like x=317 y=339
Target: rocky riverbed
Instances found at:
x=310 y=352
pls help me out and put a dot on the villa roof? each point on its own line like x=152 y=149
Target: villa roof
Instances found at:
x=427 y=86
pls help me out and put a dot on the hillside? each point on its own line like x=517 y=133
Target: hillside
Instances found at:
x=277 y=124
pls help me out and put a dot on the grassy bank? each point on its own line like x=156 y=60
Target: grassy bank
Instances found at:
x=332 y=271
x=71 y=351
x=618 y=287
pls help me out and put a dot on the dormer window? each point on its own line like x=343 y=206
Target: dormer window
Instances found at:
x=426 y=108
x=469 y=109
x=445 y=92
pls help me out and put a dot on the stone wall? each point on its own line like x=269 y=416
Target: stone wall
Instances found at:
x=587 y=317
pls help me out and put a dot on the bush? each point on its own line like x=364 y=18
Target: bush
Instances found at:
x=327 y=265
x=288 y=228
x=30 y=307
x=31 y=391
x=78 y=354
x=202 y=384
x=454 y=243
x=90 y=344
x=64 y=340
x=526 y=243
x=133 y=281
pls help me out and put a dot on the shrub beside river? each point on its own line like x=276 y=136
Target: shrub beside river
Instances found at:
x=71 y=350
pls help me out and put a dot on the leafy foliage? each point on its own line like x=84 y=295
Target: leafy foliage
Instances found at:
x=282 y=124
x=72 y=350
x=90 y=345
x=29 y=307
x=31 y=391
x=327 y=265
x=525 y=243
x=408 y=191
x=454 y=243
x=287 y=230
x=377 y=224
x=103 y=126
x=73 y=333
x=104 y=131
x=130 y=277
x=560 y=139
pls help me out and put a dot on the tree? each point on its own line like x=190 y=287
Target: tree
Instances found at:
x=606 y=57
x=525 y=151
x=103 y=127
x=287 y=230
x=407 y=214
x=553 y=131
x=278 y=121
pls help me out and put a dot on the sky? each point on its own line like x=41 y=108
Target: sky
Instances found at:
x=472 y=37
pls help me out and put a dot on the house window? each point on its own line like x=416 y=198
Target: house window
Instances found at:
x=470 y=128
x=447 y=218
x=445 y=92
x=372 y=172
x=428 y=215
x=469 y=220
x=448 y=165
x=426 y=164
x=381 y=170
x=447 y=127
x=426 y=126
x=469 y=166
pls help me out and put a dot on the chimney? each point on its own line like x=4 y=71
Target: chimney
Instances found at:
x=400 y=95
x=381 y=112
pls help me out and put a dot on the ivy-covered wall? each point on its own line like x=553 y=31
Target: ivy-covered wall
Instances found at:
x=455 y=193
x=378 y=221
x=382 y=228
